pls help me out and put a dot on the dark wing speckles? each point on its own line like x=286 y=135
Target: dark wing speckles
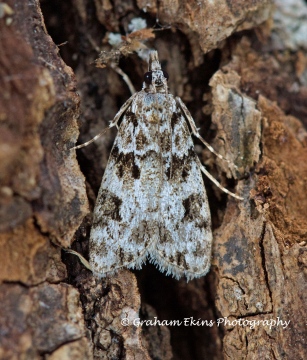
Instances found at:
x=152 y=199
x=184 y=248
x=127 y=208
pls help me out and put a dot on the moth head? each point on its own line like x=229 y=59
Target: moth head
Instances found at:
x=155 y=80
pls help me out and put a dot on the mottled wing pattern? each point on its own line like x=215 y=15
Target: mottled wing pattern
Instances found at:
x=184 y=246
x=152 y=199
x=126 y=213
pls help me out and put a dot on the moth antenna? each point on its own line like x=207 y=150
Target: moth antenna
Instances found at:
x=125 y=77
x=197 y=134
x=213 y=179
x=114 y=122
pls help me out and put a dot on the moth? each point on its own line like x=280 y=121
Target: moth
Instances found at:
x=152 y=203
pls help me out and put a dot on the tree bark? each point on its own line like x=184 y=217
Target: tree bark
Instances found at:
x=241 y=69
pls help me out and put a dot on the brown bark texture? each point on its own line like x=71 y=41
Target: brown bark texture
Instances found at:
x=241 y=68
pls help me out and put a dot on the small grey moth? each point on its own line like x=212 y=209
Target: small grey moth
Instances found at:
x=152 y=203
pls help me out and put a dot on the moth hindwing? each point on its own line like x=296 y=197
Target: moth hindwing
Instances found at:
x=152 y=201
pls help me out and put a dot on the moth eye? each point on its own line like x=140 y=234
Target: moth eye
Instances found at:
x=148 y=77
x=165 y=74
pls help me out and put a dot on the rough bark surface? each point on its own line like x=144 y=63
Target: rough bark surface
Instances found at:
x=241 y=68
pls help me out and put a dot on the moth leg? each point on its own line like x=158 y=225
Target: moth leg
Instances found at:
x=81 y=258
x=212 y=178
x=196 y=133
x=113 y=123
x=92 y=140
